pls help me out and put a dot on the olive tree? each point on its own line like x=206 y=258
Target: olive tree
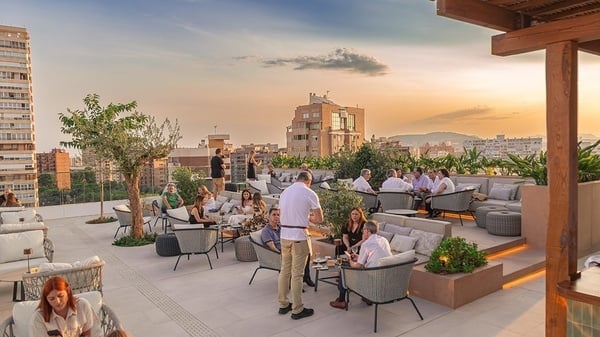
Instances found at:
x=119 y=133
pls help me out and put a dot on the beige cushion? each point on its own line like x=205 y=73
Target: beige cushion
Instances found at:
x=54 y=266
x=123 y=208
x=13 y=244
x=27 y=215
x=403 y=243
x=426 y=242
x=397 y=230
x=397 y=259
x=260 y=185
x=179 y=213
x=471 y=186
x=387 y=235
x=90 y=261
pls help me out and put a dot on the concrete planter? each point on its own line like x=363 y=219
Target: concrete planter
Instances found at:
x=455 y=290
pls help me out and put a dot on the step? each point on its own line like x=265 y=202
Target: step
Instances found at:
x=519 y=261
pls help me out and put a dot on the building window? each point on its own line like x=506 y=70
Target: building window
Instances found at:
x=316 y=114
x=305 y=115
x=335 y=121
x=350 y=122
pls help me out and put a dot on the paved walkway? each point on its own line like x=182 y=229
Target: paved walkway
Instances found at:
x=153 y=300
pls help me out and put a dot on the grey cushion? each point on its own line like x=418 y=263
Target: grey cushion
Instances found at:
x=397 y=229
x=403 y=243
x=387 y=235
x=464 y=186
x=501 y=189
x=427 y=241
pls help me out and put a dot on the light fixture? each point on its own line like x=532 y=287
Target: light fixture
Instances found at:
x=28 y=252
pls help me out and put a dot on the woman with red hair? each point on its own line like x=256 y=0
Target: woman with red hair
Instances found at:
x=60 y=313
x=352 y=232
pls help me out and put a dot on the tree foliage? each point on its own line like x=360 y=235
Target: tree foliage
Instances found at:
x=188 y=182
x=119 y=133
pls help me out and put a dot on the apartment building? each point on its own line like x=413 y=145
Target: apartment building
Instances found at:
x=57 y=163
x=323 y=128
x=500 y=146
x=17 y=129
x=155 y=173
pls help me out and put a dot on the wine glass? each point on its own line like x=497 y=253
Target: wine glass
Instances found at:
x=354 y=250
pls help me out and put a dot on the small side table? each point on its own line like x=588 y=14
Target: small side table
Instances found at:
x=16 y=277
x=405 y=212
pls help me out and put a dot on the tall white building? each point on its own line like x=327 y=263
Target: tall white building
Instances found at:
x=499 y=147
x=17 y=129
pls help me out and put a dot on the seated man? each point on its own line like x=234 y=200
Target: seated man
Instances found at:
x=170 y=198
x=421 y=186
x=396 y=183
x=362 y=183
x=373 y=248
x=270 y=236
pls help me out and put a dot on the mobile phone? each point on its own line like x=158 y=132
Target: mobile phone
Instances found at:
x=54 y=333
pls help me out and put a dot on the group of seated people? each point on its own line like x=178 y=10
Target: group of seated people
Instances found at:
x=9 y=199
x=421 y=185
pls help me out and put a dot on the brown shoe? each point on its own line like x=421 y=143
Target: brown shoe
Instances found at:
x=366 y=301
x=338 y=304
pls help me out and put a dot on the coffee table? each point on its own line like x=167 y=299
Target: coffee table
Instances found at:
x=330 y=269
x=16 y=277
x=405 y=212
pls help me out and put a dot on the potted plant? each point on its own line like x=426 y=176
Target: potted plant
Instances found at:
x=336 y=204
x=455 y=255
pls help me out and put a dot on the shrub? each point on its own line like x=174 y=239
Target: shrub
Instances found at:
x=336 y=205
x=130 y=241
x=455 y=255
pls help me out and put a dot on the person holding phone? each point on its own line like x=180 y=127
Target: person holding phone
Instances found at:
x=60 y=313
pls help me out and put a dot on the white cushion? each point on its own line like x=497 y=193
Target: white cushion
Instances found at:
x=27 y=215
x=227 y=206
x=464 y=186
x=21 y=227
x=387 y=235
x=403 y=243
x=54 y=266
x=426 y=242
x=257 y=236
x=265 y=177
x=90 y=261
x=179 y=213
x=325 y=185
x=13 y=244
x=222 y=199
x=123 y=208
x=260 y=185
x=397 y=259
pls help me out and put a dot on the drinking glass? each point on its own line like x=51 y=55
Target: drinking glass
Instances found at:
x=354 y=250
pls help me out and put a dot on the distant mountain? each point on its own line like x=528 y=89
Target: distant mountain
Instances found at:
x=433 y=138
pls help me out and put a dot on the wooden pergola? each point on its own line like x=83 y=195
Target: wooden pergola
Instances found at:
x=561 y=27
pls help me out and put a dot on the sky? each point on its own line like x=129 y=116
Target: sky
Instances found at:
x=241 y=67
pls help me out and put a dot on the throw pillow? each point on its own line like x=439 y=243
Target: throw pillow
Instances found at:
x=512 y=187
x=27 y=215
x=325 y=185
x=403 y=243
x=500 y=193
x=54 y=266
x=464 y=186
x=180 y=213
x=227 y=206
x=13 y=244
x=426 y=241
x=260 y=185
x=222 y=199
x=407 y=256
x=87 y=262
x=398 y=230
x=387 y=235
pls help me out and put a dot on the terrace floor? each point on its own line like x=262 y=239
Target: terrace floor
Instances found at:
x=151 y=299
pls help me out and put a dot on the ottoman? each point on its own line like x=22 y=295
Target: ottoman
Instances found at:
x=481 y=213
x=167 y=245
x=504 y=223
x=244 y=251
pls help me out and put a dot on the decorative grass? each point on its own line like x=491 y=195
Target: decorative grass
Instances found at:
x=102 y=220
x=128 y=241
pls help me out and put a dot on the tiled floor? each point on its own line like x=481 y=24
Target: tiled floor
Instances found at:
x=153 y=300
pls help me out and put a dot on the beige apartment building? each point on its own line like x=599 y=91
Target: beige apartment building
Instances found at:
x=17 y=131
x=323 y=128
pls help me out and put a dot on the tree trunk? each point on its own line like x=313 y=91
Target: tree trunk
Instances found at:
x=135 y=205
x=101 y=192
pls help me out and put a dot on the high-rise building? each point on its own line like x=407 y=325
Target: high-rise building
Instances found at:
x=323 y=128
x=154 y=173
x=500 y=146
x=57 y=163
x=17 y=131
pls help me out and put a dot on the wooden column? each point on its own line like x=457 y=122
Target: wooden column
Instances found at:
x=561 y=129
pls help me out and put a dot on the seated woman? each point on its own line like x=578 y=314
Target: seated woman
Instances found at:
x=352 y=231
x=11 y=201
x=197 y=215
x=445 y=186
x=60 y=313
x=210 y=204
x=259 y=217
x=244 y=211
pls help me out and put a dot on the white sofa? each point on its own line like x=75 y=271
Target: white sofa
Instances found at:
x=13 y=244
x=21 y=220
x=500 y=191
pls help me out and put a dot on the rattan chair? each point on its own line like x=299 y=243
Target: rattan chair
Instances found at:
x=195 y=239
x=369 y=201
x=159 y=215
x=267 y=258
x=379 y=285
x=395 y=200
x=454 y=202
x=124 y=215
x=81 y=279
x=107 y=319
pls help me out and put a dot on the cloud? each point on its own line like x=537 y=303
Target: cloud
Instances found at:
x=475 y=113
x=340 y=59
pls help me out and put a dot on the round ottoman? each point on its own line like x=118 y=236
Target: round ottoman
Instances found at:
x=167 y=245
x=481 y=213
x=244 y=251
x=504 y=223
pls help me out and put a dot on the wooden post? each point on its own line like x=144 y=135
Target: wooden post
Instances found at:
x=561 y=129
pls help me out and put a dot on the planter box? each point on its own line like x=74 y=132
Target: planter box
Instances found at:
x=455 y=290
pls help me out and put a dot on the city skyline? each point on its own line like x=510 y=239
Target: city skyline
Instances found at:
x=245 y=66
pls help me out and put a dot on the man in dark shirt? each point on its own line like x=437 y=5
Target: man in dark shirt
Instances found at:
x=217 y=172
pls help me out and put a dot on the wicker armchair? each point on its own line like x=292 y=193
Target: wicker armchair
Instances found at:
x=81 y=279
x=379 y=285
x=395 y=200
x=124 y=215
x=454 y=202
x=49 y=249
x=107 y=319
x=195 y=239
x=267 y=258
x=369 y=201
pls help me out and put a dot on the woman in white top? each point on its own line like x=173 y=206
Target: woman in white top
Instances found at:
x=445 y=186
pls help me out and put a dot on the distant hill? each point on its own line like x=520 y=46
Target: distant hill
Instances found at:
x=433 y=138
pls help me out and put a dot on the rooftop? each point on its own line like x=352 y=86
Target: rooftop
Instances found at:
x=151 y=299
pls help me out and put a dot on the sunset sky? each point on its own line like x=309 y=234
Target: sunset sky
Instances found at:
x=244 y=66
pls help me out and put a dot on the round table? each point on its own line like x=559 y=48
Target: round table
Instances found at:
x=16 y=277
x=405 y=212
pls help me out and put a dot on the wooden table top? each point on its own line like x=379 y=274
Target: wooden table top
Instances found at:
x=585 y=289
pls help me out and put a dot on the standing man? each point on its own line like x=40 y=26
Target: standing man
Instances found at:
x=299 y=206
x=217 y=172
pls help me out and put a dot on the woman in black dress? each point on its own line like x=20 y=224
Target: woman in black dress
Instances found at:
x=252 y=165
x=352 y=232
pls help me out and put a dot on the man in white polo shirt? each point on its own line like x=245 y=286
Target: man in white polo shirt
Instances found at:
x=299 y=205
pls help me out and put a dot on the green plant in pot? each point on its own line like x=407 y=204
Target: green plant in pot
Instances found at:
x=455 y=255
x=336 y=204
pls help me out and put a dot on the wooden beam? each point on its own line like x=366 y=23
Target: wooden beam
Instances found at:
x=580 y=29
x=592 y=47
x=561 y=129
x=480 y=13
